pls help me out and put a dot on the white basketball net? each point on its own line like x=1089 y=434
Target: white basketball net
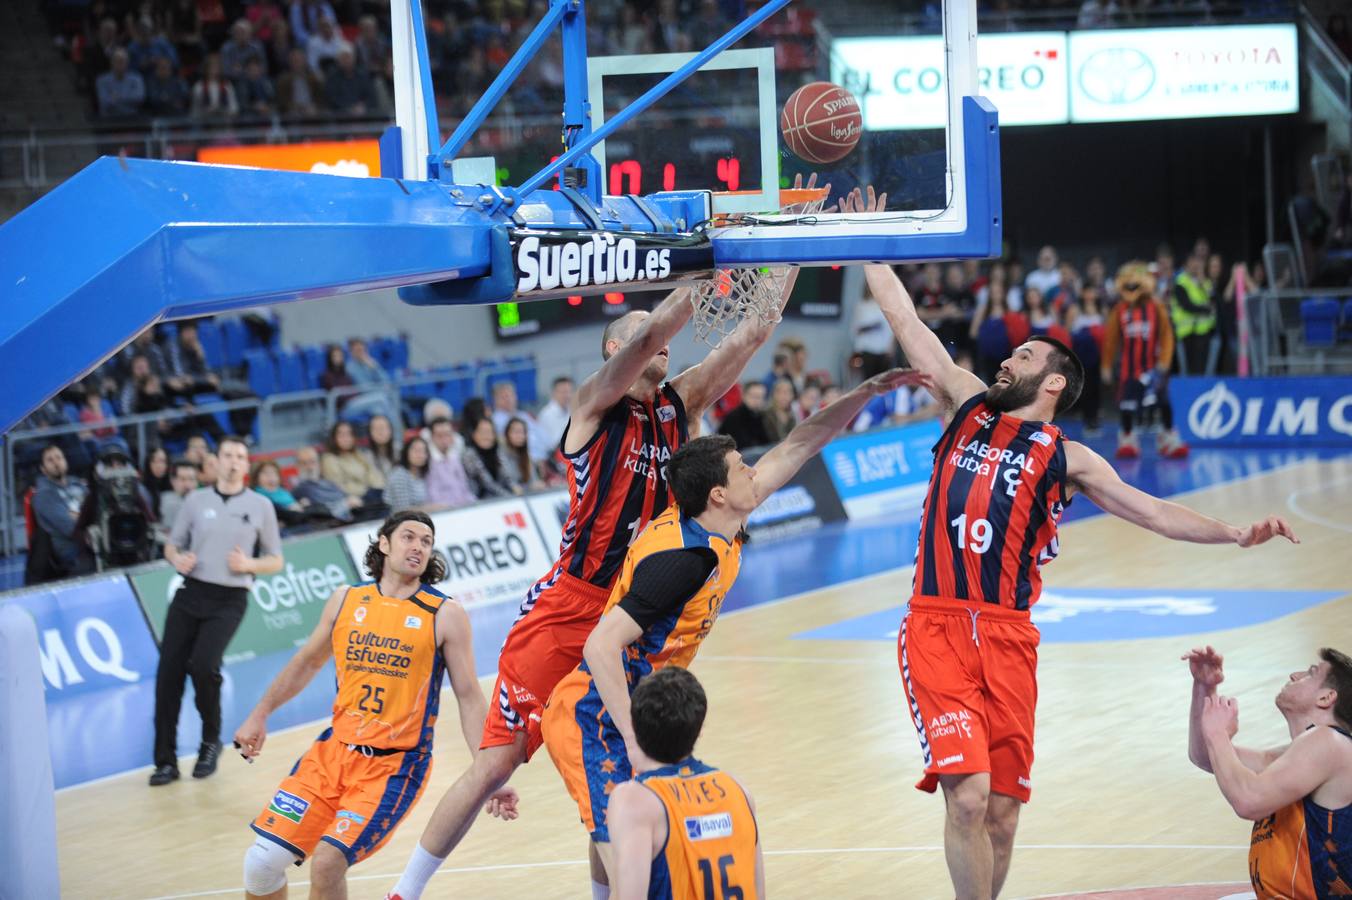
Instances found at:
x=723 y=301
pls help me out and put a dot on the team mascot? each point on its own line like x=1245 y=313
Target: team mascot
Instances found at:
x=1139 y=340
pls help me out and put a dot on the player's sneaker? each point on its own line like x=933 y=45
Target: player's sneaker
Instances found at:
x=1171 y=446
x=1128 y=447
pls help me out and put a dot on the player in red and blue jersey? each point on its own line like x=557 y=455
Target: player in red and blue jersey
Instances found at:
x=1299 y=796
x=967 y=648
x=626 y=421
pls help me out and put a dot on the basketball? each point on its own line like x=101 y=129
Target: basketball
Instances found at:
x=821 y=122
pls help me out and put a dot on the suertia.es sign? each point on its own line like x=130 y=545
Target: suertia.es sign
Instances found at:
x=1264 y=411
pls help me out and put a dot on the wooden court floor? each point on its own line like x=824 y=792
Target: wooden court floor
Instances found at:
x=818 y=733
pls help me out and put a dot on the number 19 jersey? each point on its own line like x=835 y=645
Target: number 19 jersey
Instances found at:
x=996 y=494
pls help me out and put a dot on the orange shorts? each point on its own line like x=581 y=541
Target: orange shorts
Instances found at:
x=970 y=674
x=344 y=797
x=587 y=749
x=543 y=645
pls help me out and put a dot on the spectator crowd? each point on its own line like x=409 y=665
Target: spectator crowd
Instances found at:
x=219 y=61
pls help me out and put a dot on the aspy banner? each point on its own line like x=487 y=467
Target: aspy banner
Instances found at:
x=882 y=471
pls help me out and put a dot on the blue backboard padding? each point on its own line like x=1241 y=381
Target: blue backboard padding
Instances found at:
x=124 y=243
x=981 y=239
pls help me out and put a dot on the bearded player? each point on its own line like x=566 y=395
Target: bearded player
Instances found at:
x=625 y=422
x=967 y=649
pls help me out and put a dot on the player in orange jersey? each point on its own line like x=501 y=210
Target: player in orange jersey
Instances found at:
x=625 y=423
x=1299 y=796
x=668 y=596
x=392 y=641
x=683 y=830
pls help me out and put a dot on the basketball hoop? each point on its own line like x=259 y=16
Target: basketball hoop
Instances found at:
x=730 y=296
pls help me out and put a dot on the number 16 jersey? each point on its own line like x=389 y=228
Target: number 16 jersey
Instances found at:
x=996 y=494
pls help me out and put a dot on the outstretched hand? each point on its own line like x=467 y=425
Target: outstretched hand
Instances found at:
x=1263 y=531
x=857 y=201
x=1206 y=665
x=889 y=381
x=798 y=208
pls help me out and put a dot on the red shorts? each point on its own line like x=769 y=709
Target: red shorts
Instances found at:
x=970 y=674
x=543 y=645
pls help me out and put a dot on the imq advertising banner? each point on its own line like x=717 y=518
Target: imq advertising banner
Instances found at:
x=283 y=608
x=1264 y=411
x=91 y=635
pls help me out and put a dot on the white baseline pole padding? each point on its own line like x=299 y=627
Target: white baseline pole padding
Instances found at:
x=28 y=867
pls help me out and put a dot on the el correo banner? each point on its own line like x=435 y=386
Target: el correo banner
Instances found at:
x=1176 y=73
x=901 y=82
x=493 y=551
x=283 y=608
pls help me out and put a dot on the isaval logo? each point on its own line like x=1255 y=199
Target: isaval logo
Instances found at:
x=705 y=828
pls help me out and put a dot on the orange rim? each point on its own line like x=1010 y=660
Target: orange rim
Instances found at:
x=787 y=197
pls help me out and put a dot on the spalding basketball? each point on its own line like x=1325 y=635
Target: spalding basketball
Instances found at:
x=821 y=122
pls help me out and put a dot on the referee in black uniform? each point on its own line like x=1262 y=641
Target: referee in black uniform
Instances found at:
x=223 y=536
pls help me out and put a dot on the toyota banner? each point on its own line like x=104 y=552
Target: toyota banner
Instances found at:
x=1264 y=411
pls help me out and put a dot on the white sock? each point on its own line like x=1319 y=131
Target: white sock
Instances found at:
x=600 y=891
x=421 y=867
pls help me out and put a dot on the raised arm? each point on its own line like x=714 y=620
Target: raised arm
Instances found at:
x=924 y=350
x=1311 y=760
x=609 y=383
x=1207 y=674
x=1091 y=475
x=775 y=468
x=293 y=678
